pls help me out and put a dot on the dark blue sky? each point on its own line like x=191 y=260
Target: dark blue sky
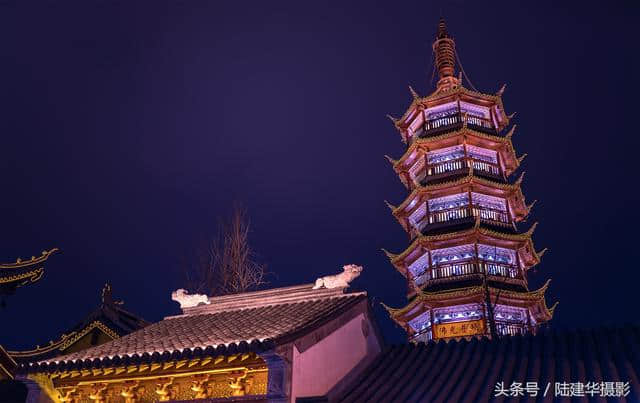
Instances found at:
x=128 y=128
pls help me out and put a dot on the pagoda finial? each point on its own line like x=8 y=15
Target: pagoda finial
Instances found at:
x=414 y=94
x=442 y=29
x=444 y=48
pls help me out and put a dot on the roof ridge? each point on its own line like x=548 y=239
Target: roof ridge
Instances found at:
x=263 y=298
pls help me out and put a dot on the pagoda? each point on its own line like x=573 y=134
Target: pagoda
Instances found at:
x=467 y=263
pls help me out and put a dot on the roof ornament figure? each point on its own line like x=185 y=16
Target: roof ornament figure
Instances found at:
x=501 y=90
x=413 y=92
x=107 y=296
x=342 y=280
x=187 y=300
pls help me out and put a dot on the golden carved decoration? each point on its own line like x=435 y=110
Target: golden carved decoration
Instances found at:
x=201 y=387
x=99 y=393
x=165 y=390
x=132 y=392
x=69 y=396
x=77 y=336
x=240 y=384
x=120 y=385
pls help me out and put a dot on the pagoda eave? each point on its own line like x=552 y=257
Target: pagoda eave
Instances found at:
x=534 y=301
x=22 y=272
x=29 y=263
x=19 y=278
x=476 y=234
x=511 y=192
x=459 y=93
x=476 y=277
x=456 y=137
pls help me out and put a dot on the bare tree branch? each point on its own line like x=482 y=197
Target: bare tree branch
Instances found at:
x=227 y=264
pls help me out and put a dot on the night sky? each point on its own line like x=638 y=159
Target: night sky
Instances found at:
x=129 y=128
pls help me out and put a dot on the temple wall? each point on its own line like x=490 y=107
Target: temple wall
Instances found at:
x=319 y=368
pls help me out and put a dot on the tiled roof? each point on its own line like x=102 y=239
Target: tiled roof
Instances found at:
x=109 y=317
x=469 y=370
x=7 y=364
x=22 y=272
x=247 y=322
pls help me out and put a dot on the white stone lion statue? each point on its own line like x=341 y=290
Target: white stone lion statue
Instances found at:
x=187 y=300
x=342 y=280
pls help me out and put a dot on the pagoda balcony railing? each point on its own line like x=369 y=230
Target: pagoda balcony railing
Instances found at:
x=424 y=335
x=438 y=170
x=480 y=124
x=505 y=328
x=455 y=121
x=461 y=213
x=469 y=267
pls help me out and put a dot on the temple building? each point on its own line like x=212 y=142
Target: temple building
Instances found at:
x=13 y=276
x=309 y=343
x=274 y=345
x=107 y=322
x=466 y=267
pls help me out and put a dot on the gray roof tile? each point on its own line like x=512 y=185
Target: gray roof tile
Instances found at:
x=275 y=315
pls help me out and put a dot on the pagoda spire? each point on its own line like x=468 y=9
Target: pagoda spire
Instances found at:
x=444 y=48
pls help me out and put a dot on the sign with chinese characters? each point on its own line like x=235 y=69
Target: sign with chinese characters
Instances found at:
x=458 y=329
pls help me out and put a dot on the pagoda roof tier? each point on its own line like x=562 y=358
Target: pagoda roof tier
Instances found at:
x=459 y=93
x=467 y=280
x=522 y=243
x=534 y=301
x=512 y=193
x=501 y=144
x=22 y=272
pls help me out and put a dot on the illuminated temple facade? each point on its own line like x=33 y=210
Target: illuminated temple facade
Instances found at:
x=264 y=346
x=466 y=267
